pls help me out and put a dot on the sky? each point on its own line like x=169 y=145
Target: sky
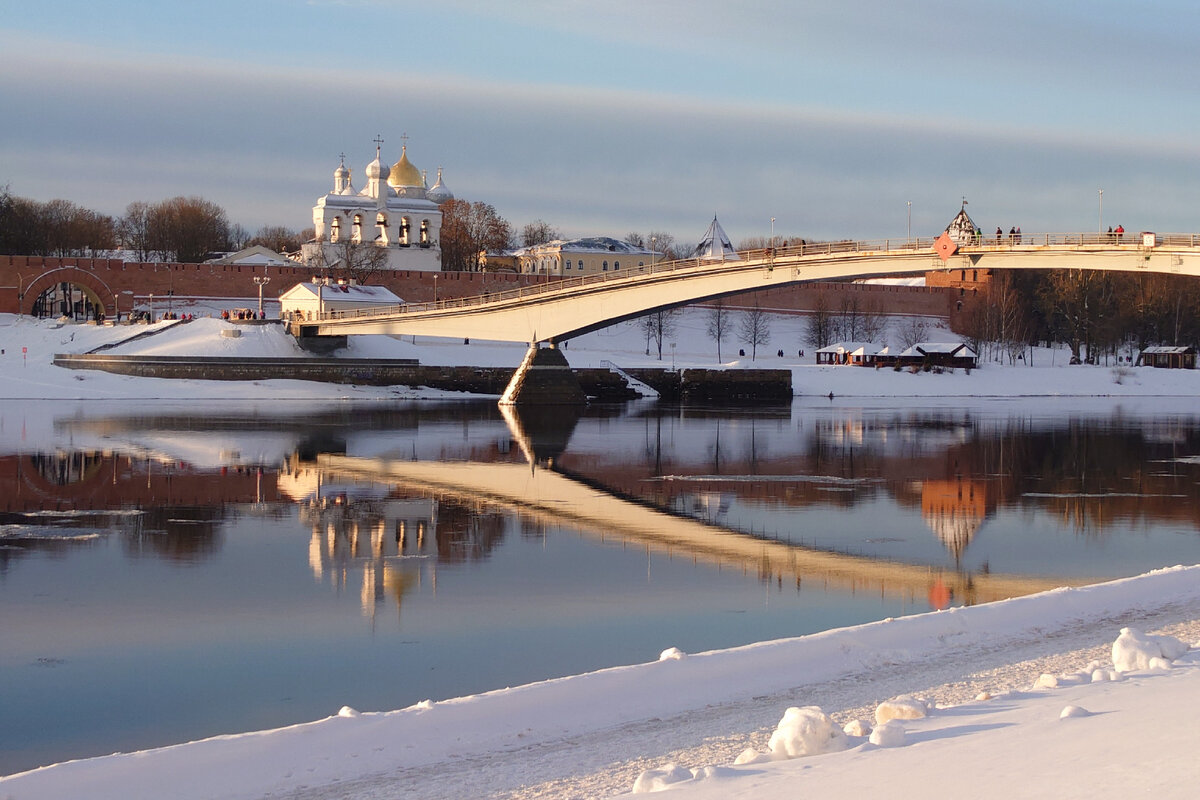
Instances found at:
x=605 y=117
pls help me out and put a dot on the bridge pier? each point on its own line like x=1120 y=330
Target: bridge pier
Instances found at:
x=544 y=378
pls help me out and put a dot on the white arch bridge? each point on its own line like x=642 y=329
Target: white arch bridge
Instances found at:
x=557 y=311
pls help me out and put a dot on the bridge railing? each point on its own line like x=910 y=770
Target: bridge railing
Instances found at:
x=914 y=245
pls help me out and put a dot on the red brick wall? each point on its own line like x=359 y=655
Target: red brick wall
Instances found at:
x=111 y=279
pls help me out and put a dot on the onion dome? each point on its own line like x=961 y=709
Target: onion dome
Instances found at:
x=377 y=170
x=403 y=173
x=438 y=193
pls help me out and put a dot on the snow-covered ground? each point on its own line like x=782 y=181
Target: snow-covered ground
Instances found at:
x=603 y=733
x=29 y=346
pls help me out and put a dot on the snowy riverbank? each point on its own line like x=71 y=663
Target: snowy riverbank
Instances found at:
x=29 y=346
x=592 y=734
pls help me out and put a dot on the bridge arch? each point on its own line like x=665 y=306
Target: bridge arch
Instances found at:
x=68 y=291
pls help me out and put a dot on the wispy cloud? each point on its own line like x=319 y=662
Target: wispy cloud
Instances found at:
x=105 y=128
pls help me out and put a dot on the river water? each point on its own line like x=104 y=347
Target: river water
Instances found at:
x=175 y=573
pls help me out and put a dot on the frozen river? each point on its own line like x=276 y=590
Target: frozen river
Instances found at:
x=181 y=572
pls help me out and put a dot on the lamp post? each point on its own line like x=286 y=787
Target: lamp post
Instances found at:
x=772 y=233
x=152 y=307
x=261 y=282
x=321 y=284
x=1100 y=227
x=653 y=240
x=435 y=277
x=909 y=204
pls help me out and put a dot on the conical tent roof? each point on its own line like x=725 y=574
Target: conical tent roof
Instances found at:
x=962 y=228
x=715 y=246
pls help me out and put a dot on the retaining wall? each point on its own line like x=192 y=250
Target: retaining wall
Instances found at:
x=692 y=385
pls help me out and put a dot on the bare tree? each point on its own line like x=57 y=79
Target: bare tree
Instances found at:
x=186 y=229
x=277 y=238
x=755 y=328
x=718 y=323
x=469 y=230
x=358 y=261
x=133 y=230
x=874 y=322
x=658 y=325
x=820 y=324
x=239 y=237
x=912 y=331
x=538 y=232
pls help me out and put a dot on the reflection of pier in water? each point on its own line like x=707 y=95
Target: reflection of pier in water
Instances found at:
x=565 y=501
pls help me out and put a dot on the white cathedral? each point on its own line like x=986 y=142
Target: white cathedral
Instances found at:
x=396 y=211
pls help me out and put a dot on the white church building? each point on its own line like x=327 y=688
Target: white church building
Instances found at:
x=396 y=210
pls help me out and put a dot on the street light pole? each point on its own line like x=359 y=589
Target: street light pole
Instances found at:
x=435 y=277
x=261 y=282
x=909 y=204
x=1100 y=227
x=772 y=233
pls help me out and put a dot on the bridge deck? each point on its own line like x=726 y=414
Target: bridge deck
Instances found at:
x=577 y=305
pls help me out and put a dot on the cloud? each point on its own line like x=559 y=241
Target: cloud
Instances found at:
x=105 y=129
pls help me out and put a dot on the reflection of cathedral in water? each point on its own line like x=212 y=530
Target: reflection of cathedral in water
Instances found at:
x=378 y=538
x=395 y=543
x=955 y=509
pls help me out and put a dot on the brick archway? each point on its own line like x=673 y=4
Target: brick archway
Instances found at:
x=97 y=290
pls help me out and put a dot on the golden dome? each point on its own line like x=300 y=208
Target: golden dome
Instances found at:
x=403 y=173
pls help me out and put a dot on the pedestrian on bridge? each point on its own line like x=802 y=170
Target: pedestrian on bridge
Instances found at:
x=1120 y=231
x=999 y=235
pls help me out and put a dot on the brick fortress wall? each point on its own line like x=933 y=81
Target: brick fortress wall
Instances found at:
x=120 y=284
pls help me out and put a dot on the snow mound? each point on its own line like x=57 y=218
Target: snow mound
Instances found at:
x=1074 y=711
x=857 y=727
x=983 y=697
x=1046 y=681
x=347 y=711
x=905 y=706
x=889 y=734
x=1134 y=650
x=750 y=756
x=672 y=654
x=806 y=731
x=655 y=780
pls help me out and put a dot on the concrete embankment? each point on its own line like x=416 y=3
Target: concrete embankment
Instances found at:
x=689 y=385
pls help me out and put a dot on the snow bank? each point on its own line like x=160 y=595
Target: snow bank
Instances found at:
x=1008 y=749
x=1134 y=650
x=806 y=731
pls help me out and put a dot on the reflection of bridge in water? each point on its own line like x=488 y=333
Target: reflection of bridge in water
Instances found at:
x=555 y=498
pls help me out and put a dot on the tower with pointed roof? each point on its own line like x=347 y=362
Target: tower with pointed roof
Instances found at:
x=715 y=246
x=394 y=211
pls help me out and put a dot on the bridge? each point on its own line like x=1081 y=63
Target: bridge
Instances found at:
x=558 y=311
